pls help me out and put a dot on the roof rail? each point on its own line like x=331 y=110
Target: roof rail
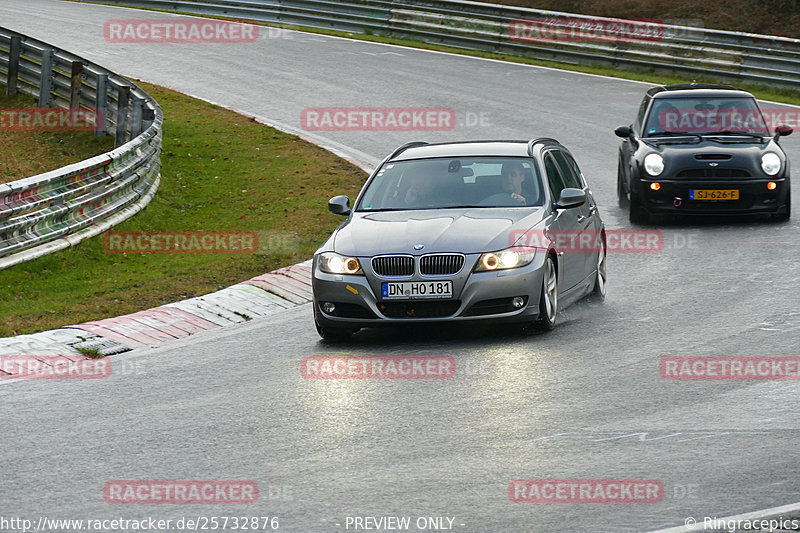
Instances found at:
x=405 y=147
x=539 y=140
x=694 y=85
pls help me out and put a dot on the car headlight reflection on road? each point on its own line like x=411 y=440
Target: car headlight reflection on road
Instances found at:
x=333 y=263
x=770 y=163
x=505 y=259
x=654 y=164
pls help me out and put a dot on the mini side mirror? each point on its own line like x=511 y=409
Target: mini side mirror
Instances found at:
x=624 y=131
x=783 y=131
x=339 y=205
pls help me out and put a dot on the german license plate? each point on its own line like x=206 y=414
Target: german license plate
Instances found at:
x=714 y=194
x=410 y=290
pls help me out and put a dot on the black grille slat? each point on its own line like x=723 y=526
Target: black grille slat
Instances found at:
x=440 y=264
x=712 y=157
x=714 y=173
x=393 y=265
x=419 y=309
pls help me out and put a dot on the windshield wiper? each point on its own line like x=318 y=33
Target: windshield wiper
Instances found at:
x=735 y=133
x=674 y=134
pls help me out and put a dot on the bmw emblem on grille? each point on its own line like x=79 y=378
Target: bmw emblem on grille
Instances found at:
x=419 y=246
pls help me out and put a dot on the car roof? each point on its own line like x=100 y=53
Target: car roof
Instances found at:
x=516 y=148
x=694 y=90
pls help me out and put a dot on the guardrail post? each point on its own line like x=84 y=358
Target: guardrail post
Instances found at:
x=101 y=102
x=13 y=65
x=148 y=117
x=46 y=78
x=123 y=98
x=75 y=85
x=136 y=125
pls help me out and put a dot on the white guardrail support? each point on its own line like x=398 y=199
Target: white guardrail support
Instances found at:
x=60 y=208
x=688 y=49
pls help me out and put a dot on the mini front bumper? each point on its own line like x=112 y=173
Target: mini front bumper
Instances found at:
x=476 y=296
x=674 y=196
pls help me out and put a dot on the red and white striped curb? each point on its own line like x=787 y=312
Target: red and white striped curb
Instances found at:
x=257 y=297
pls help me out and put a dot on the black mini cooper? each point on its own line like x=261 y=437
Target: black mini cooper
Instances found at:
x=702 y=149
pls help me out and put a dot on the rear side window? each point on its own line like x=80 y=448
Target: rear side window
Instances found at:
x=554 y=177
x=571 y=172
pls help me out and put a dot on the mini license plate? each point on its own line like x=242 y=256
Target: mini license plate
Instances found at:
x=714 y=194
x=409 y=290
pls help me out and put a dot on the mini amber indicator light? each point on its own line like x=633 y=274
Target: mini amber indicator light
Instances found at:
x=655 y=186
x=772 y=185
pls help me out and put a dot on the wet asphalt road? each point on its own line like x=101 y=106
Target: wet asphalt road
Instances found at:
x=583 y=402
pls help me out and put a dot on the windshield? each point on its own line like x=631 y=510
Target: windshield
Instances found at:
x=454 y=182
x=705 y=116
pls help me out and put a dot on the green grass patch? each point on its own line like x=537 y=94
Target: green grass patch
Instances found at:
x=221 y=172
x=27 y=153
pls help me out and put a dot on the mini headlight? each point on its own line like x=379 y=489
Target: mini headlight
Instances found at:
x=333 y=263
x=505 y=259
x=770 y=163
x=654 y=164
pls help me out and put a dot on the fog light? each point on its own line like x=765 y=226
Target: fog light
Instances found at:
x=518 y=302
x=328 y=307
x=655 y=186
x=772 y=185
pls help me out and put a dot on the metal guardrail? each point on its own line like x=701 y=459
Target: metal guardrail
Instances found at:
x=728 y=56
x=57 y=209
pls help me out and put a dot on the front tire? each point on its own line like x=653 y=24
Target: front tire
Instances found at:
x=548 y=301
x=600 y=282
x=622 y=194
x=787 y=213
x=334 y=334
x=637 y=214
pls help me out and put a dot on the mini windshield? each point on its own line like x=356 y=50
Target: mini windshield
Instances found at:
x=454 y=182
x=722 y=115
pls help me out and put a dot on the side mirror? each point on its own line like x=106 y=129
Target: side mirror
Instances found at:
x=339 y=205
x=783 y=131
x=624 y=131
x=571 y=197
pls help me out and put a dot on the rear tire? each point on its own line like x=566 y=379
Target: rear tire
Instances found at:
x=548 y=301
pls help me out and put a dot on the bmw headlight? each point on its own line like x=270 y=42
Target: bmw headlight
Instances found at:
x=504 y=259
x=654 y=164
x=333 y=263
x=770 y=163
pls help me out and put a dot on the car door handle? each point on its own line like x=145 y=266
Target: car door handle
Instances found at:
x=592 y=211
